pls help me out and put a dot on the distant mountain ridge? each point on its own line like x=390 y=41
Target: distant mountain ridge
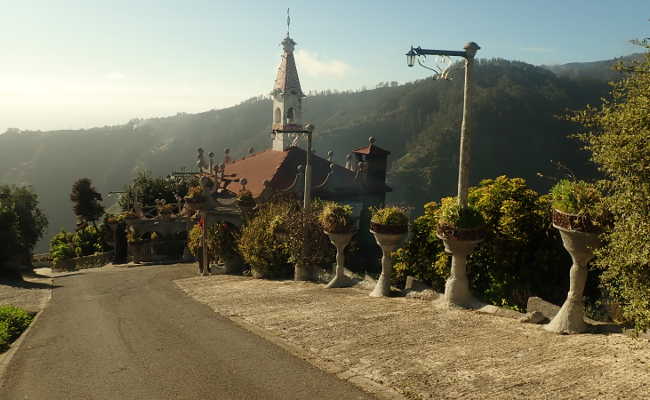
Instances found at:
x=600 y=70
x=515 y=132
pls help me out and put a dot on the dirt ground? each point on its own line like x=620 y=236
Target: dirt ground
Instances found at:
x=425 y=352
x=32 y=294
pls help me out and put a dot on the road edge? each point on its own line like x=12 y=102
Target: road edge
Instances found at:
x=5 y=359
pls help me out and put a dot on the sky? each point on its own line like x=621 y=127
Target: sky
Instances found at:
x=79 y=64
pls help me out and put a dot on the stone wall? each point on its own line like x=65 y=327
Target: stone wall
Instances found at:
x=94 y=261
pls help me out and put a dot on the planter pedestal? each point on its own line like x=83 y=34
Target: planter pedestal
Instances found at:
x=389 y=242
x=340 y=241
x=457 y=293
x=232 y=265
x=580 y=245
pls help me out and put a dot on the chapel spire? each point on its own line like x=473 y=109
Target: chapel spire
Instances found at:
x=287 y=95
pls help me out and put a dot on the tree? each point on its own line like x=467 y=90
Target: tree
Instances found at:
x=22 y=224
x=617 y=133
x=87 y=206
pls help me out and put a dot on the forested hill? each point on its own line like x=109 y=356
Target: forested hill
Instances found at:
x=515 y=132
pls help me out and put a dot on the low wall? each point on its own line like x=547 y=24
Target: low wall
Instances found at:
x=94 y=261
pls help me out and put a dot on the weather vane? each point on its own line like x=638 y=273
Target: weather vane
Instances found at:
x=288 y=22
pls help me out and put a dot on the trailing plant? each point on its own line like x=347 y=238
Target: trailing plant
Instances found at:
x=336 y=218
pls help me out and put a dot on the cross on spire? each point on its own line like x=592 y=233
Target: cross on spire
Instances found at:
x=288 y=22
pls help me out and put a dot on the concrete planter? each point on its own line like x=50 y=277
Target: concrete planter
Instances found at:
x=580 y=245
x=389 y=242
x=457 y=293
x=340 y=241
x=232 y=265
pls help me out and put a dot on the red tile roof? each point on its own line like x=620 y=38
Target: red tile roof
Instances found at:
x=279 y=169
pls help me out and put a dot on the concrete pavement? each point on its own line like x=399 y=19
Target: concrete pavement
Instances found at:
x=130 y=333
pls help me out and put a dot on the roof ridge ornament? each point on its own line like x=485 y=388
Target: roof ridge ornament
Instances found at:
x=288 y=22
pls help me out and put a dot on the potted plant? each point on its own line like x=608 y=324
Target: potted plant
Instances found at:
x=459 y=223
x=579 y=215
x=195 y=198
x=389 y=225
x=336 y=220
x=461 y=229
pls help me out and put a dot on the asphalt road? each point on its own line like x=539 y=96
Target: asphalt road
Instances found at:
x=132 y=334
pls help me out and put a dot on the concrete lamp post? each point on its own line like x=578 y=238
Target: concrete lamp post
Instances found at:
x=457 y=291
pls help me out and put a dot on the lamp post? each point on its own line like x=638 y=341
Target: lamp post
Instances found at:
x=457 y=292
x=309 y=129
x=465 y=133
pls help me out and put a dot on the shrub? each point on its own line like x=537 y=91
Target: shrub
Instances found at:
x=195 y=195
x=306 y=242
x=389 y=216
x=450 y=214
x=61 y=246
x=13 y=321
x=617 y=134
x=423 y=256
x=521 y=255
x=336 y=218
x=263 y=241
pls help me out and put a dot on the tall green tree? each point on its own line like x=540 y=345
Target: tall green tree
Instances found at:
x=86 y=199
x=617 y=134
x=22 y=224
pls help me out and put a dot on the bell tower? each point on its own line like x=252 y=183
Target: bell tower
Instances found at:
x=287 y=97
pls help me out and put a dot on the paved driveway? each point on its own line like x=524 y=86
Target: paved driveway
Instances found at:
x=131 y=334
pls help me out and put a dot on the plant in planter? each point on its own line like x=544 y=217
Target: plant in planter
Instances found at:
x=579 y=214
x=337 y=222
x=195 y=197
x=389 y=225
x=166 y=210
x=461 y=229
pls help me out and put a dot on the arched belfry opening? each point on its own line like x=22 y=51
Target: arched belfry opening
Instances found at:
x=290 y=115
x=278 y=115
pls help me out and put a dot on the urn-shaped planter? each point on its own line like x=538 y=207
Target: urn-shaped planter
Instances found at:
x=580 y=245
x=459 y=243
x=340 y=241
x=232 y=264
x=389 y=242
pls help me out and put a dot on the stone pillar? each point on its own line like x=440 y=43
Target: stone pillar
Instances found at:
x=340 y=241
x=388 y=243
x=457 y=293
x=580 y=245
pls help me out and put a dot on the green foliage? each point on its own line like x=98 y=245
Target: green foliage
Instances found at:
x=575 y=197
x=22 y=224
x=423 y=256
x=84 y=242
x=13 y=321
x=451 y=214
x=521 y=256
x=263 y=241
x=195 y=195
x=617 y=133
x=389 y=216
x=146 y=189
x=87 y=206
x=306 y=242
x=336 y=218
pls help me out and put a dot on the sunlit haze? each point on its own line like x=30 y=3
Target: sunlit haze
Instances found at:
x=79 y=64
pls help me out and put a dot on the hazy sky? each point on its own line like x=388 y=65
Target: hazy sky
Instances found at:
x=77 y=64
